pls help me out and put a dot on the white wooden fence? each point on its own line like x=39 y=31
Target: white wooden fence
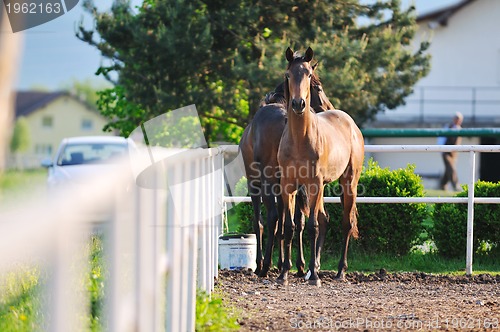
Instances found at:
x=161 y=238
x=161 y=243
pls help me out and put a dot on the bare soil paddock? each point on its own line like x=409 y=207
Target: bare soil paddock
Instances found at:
x=381 y=301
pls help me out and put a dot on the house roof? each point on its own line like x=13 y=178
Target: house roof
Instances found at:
x=442 y=15
x=28 y=102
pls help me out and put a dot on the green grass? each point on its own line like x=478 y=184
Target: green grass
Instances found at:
x=418 y=261
x=21 y=300
x=429 y=262
x=439 y=193
x=213 y=315
x=15 y=185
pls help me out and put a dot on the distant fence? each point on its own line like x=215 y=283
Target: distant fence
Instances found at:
x=470 y=200
x=160 y=244
x=478 y=104
x=430 y=132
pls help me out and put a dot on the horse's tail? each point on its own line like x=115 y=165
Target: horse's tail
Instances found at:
x=302 y=201
x=354 y=221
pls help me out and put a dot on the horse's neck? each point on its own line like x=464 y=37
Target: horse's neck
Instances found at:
x=302 y=127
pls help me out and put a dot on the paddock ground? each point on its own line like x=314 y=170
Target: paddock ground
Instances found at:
x=379 y=301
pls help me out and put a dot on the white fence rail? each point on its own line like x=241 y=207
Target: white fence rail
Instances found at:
x=161 y=238
x=161 y=243
x=470 y=200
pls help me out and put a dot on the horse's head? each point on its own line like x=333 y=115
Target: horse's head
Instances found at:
x=298 y=80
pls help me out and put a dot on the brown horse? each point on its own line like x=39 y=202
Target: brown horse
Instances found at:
x=259 y=148
x=316 y=149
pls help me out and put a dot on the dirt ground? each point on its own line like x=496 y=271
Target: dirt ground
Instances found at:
x=380 y=301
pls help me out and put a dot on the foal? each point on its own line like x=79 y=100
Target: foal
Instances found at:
x=316 y=149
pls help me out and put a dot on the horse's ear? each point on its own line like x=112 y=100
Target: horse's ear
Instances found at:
x=309 y=55
x=315 y=66
x=289 y=54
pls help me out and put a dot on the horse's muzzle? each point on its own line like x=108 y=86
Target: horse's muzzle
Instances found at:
x=298 y=106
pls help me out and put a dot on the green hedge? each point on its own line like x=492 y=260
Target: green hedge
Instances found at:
x=450 y=223
x=389 y=228
x=244 y=211
x=383 y=228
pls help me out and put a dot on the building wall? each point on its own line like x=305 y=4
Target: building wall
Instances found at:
x=465 y=70
x=466 y=52
x=69 y=117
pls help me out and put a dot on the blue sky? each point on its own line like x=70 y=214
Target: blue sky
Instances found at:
x=53 y=57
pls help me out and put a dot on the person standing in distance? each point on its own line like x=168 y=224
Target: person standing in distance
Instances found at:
x=450 y=158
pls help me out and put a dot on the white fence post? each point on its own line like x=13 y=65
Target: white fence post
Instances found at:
x=470 y=213
x=174 y=276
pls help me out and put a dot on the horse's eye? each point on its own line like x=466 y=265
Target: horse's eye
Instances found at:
x=310 y=75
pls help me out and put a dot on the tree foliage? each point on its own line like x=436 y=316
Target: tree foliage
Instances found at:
x=224 y=56
x=20 y=140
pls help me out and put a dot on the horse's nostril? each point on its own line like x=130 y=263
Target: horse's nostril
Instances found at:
x=298 y=105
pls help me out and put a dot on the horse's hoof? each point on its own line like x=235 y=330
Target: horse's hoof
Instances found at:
x=300 y=274
x=341 y=279
x=283 y=282
x=308 y=275
x=263 y=274
x=315 y=282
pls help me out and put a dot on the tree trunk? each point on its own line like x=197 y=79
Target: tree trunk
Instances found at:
x=10 y=53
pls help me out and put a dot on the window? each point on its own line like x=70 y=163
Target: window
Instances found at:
x=47 y=122
x=87 y=124
x=43 y=149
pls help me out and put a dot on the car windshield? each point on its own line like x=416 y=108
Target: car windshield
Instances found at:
x=91 y=153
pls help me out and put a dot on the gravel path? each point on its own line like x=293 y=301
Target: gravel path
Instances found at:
x=400 y=301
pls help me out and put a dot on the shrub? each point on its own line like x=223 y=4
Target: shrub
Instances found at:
x=383 y=228
x=244 y=211
x=388 y=228
x=450 y=223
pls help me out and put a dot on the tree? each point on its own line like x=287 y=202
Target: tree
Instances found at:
x=224 y=56
x=20 y=140
x=86 y=90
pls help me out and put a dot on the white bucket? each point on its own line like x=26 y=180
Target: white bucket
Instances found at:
x=237 y=251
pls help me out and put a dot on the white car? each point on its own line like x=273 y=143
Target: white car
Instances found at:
x=83 y=168
x=79 y=158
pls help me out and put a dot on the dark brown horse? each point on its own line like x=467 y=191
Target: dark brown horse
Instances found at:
x=316 y=149
x=259 y=148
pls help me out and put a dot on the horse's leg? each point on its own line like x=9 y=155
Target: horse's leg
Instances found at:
x=316 y=201
x=279 y=232
x=288 y=212
x=257 y=225
x=299 y=222
x=272 y=217
x=323 y=227
x=349 y=184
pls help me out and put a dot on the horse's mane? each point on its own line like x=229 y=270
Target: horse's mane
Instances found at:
x=275 y=97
